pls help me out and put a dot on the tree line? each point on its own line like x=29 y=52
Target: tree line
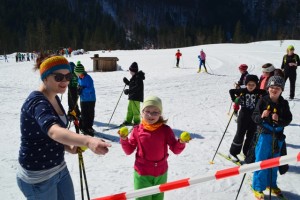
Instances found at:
x=37 y=25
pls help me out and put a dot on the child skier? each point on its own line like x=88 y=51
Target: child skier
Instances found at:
x=202 y=58
x=87 y=94
x=272 y=114
x=73 y=93
x=135 y=94
x=243 y=70
x=151 y=140
x=268 y=71
x=247 y=99
x=178 y=55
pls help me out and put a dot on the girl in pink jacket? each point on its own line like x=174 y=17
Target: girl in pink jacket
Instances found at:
x=151 y=140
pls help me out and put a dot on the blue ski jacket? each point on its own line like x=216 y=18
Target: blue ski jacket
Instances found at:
x=86 y=88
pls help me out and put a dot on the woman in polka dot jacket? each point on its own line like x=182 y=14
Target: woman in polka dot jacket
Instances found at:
x=43 y=173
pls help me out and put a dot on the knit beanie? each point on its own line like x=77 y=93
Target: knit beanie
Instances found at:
x=243 y=67
x=276 y=81
x=134 y=67
x=79 y=69
x=52 y=64
x=251 y=77
x=152 y=101
x=290 y=47
x=268 y=67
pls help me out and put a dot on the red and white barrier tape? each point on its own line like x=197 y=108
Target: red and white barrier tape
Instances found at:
x=221 y=174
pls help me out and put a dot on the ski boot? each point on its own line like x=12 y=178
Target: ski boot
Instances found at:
x=259 y=195
x=234 y=158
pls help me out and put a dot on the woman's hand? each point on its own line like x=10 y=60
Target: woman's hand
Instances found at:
x=98 y=146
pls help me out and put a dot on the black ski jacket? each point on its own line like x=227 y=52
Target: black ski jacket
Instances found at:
x=282 y=109
x=136 y=87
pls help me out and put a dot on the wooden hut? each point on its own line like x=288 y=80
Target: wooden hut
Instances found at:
x=104 y=64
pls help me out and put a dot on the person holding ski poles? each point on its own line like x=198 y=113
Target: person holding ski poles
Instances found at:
x=241 y=82
x=135 y=95
x=73 y=93
x=289 y=64
x=202 y=58
x=247 y=98
x=151 y=140
x=87 y=93
x=42 y=171
x=272 y=114
x=178 y=55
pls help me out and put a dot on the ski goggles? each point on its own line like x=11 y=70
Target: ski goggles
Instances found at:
x=58 y=77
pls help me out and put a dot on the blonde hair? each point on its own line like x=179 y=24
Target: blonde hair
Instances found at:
x=162 y=120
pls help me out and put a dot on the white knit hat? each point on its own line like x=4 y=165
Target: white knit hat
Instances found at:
x=152 y=101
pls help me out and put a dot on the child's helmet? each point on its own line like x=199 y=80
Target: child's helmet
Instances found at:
x=243 y=67
x=290 y=48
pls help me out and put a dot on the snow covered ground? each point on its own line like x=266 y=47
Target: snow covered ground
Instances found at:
x=193 y=102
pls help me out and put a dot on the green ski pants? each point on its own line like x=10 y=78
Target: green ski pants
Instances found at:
x=148 y=181
x=133 y=112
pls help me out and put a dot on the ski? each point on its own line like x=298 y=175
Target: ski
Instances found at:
x=116 y=127
x=107 y=137
x=279 y=196
x=229 y=159
x=215 y=74
x=112 y=127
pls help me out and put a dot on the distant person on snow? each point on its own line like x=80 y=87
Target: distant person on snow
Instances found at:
x=87 y=94
x=268 y=71
x=151 y=140
x=42 y=171
x=202 y=58
x=241 y=83
x=135 y=94
x=289 y=64
x=272 y=114
x=178 y=55
x=5 y=58
x=247 y=99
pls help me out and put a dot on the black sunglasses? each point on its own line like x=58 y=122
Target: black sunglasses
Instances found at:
x=58 y=77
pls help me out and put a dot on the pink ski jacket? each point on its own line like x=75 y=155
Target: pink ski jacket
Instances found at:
x=152 y=149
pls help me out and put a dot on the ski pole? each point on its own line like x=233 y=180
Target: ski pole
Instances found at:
x=80 y=175
x=240 y=186
x=116 y=106
x=84 y=174
x=209 y=67
x=273 y=143
x=81 y=163
x=212 y=161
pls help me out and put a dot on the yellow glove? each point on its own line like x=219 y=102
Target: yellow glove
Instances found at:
x=123 y=132
x=185 y=137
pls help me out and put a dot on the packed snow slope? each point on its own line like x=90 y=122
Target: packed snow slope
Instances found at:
x=193 y=102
